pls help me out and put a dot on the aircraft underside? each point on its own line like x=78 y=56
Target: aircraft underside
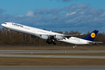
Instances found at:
x=51 y=40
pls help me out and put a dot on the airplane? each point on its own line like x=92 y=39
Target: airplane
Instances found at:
x=50 y=36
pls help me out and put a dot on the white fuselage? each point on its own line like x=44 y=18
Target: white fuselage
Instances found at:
x=27 y=29
x=38 y=32
x=75 y=40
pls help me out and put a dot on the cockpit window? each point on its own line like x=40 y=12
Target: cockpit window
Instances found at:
x=5 y=23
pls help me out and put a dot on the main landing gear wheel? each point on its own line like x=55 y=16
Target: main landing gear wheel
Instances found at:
x=51 y=41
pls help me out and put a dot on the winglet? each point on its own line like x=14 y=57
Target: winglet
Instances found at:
x=91 y=36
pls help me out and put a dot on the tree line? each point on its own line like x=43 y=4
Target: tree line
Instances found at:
x=16 y=38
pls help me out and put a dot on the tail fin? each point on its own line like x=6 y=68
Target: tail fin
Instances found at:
x=91 y=36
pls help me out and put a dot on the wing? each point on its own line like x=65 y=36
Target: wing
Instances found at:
x=68 y=36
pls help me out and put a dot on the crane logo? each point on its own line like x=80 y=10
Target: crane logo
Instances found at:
x=92 y=35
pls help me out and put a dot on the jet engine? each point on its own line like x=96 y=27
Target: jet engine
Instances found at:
x=44 y=36
x=59 y=37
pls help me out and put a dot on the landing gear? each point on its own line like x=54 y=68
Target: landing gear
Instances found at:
x=53 y=42
x=50 y=41
x=74 y=46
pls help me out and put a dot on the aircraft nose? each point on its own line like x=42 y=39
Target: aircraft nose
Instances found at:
x=2 y=24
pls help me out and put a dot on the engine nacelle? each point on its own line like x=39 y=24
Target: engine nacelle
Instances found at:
x=59 y=37
x=44 y=36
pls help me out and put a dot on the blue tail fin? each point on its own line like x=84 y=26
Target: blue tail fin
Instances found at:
x=91 y=36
